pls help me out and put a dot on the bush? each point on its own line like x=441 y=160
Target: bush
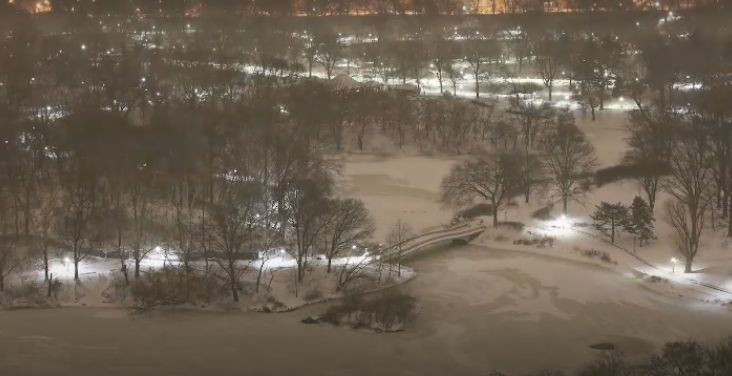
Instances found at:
x=29 y=295
x=543 y=214
x=387 y=311
x=540 y=241
x=614 y=173
x=170 y=287
x=476 y=211
x=516 y=226
x=611 y=363
x=312 y=295
x=603 y=256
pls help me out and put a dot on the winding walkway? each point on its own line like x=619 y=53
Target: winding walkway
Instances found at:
x=652 y=266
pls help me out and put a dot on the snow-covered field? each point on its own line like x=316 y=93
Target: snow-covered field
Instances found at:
x=406 y=188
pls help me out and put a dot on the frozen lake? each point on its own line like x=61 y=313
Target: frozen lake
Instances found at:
x=481 y=310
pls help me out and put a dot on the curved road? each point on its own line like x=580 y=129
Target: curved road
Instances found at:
x=481 y=310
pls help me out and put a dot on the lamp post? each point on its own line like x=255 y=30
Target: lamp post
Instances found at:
x=674 y=261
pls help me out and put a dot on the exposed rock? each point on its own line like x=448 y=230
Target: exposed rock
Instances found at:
x=310 y=320
x=604 y=346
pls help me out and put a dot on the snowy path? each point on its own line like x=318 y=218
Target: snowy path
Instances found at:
x=650 y=268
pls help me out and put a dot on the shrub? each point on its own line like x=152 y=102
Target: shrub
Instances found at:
x=603 y=256
x=29 y=295
x=172 y=287
x=312 y=295
x=516 y=226
x=614 y=173
x=387 y=311
x=543 y=214
x=478 y=210
x=539 y=241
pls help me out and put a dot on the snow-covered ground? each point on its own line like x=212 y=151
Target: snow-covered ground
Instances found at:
x=392 y=188
x=407 y=187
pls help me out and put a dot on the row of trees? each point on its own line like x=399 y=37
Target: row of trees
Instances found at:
x=562 y=160
x=678 y=154
x=208 y=187
x=132 y=68
x=636 y=220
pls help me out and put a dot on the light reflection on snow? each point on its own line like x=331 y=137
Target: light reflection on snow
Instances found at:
x=559 y=227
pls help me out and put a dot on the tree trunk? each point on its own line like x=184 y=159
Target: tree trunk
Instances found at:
x=477 y=87
x=234 y=291
x=612 y=231
x=602 y=98
x=550 y=91
x=45 y=264
x=729 y=221
x=76 y=268
x=495 y=215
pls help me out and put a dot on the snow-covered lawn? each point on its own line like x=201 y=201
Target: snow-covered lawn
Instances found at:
x=408 y=188
x=392 y=188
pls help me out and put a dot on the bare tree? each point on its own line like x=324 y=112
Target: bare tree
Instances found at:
x=548 y=63
x=689 y=184
x=183 y=226
x=568 y=157
x=74 y=225
x=43 y=225
x=347 y=223
x=307 y=212
x=454 y=75
x=479 y=53
x=650 y=144
x=10 y=257
x=141 y=207
x=329 y=51
x=687 y=230
x=399 y=233
x=233 y=217
x=491 y=177
x=351 y=271
x=442 y=54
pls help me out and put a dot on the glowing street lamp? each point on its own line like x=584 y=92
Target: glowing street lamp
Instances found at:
x=674 y=261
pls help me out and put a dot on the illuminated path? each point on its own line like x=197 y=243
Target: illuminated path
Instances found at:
x=706 y=285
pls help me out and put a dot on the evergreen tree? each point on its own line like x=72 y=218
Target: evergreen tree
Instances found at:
x=609 y=217
x=640 y=221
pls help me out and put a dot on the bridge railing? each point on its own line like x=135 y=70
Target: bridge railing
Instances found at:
x=415 y=243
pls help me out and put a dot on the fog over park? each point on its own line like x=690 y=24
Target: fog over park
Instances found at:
x=371 y=187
